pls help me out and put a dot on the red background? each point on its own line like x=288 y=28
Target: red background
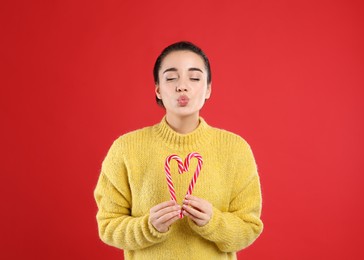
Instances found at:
x=287 y=76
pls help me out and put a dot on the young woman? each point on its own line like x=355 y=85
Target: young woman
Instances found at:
x=136 y=214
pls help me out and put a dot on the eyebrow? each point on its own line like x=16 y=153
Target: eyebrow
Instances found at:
x=195 y=69
x=170 y=69
x=190 y=69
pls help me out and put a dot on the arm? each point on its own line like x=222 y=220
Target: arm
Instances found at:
x=241 y=225
x=113 y=197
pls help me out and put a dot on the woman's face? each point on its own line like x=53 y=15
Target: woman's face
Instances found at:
x=183 y=84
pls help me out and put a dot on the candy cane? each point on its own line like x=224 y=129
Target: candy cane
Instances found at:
x=167 y=169
x=182 y=167
x=197 y=171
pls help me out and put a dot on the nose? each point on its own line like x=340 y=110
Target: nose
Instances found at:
x=180 y=89
x=181 y=86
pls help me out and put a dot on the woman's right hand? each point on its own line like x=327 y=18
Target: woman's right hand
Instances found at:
x=164 y=214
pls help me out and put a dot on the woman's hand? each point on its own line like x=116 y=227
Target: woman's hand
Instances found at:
x=164 y=214
x=197 y=209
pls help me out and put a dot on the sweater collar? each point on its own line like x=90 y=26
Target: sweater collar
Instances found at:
x=186 y=142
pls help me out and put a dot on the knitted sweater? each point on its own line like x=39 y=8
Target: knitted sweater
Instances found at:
x=133 y=180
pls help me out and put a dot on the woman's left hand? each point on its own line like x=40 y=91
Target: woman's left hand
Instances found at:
x=197 y=209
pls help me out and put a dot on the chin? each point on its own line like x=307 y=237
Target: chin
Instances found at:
x=187 y=113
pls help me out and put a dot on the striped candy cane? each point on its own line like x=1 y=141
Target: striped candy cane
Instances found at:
x=182 y=167
x=197 y=171
x=167 y=169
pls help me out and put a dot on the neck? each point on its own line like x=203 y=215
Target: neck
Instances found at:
x=183 y=125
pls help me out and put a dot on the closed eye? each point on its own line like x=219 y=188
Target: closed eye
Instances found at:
x=170 y=79
x=195 y=79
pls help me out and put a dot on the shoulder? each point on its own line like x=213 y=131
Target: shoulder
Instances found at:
x=133 y=136
x=228 y=137
x=232 y=144
x=136 y=134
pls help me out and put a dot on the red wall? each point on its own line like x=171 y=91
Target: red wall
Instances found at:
x=287 y=76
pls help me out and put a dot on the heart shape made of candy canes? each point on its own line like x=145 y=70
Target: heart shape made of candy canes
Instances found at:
x=182 y=167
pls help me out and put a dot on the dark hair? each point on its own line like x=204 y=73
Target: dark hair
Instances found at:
x=179 y=46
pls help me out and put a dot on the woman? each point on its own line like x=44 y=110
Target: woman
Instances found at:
x=221 y=217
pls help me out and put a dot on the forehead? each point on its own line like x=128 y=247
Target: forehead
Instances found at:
x=183 y=60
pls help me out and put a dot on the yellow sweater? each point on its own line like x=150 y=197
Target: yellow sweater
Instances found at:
x=133 y=180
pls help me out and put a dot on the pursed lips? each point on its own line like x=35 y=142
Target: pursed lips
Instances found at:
x=183 y=100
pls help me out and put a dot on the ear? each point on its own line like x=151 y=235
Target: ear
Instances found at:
x=157 y=92
x=208 y=92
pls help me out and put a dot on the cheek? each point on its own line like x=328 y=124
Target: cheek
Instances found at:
x=165 y=93
x=203 y=91
x=208 y=93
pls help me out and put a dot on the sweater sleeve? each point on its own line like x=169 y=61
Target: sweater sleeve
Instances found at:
x=113 y=197
x=241 y=225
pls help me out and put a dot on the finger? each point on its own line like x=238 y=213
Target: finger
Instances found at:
x=169 y=219
x=194 y=212
x=164 y=211
x=197 y=221
x=163 y=205
x=199 y=205
x=200 y=220
x=162 y=224
x=172 y=220
x=193 y=198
